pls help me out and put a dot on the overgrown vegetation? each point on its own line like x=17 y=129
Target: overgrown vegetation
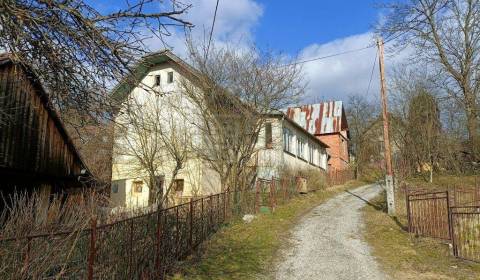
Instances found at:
x=405 y=256
x=246 y=251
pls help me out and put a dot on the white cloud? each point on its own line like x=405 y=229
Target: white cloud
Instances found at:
x=337 y=77
x=234 y=24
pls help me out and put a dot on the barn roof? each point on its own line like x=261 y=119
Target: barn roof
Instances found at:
x=5 y=59
x=321 y=118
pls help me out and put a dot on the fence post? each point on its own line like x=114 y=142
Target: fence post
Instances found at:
x=272 y=194
x=159 y=243
x=224 y=206
x=130 y=242
x=190 y=236
x=210 y=213
x=177 y=234
x=26 y=261
x=257 y=196
x=92 y=251
x=407 y=200
x=450 y=226
x=218 y=210
x=203 y=221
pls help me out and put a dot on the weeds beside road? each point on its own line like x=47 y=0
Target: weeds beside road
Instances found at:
x=404 y=256
x=246 y=251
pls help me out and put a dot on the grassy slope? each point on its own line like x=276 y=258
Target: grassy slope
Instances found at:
x=406 y=257
x=444 y=181
x=245 y=251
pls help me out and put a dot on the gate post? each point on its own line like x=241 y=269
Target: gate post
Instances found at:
x=257 y=196
x=91 y=256
x=190 y=236
x=407 y=199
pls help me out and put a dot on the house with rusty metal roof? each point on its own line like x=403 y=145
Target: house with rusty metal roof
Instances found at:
x=36 y=152
x=328 y=122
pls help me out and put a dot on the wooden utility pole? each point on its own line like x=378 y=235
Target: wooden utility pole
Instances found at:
x=389 y=182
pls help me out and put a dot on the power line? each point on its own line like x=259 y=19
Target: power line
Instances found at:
x=211 y=31
x=371 y=74
x=327 y=56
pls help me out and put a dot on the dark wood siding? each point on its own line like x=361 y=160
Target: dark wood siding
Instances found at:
x=32 y=138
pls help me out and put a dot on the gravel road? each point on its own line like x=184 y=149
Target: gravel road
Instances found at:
x=326 y=243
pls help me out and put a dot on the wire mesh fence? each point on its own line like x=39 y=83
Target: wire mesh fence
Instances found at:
x=140 y=247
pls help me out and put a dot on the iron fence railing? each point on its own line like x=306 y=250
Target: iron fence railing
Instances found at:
x=140 y=247
x=452 y=215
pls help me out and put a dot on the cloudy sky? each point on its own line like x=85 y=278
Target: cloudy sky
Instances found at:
x=305 y=29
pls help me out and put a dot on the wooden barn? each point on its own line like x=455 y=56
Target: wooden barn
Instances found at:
x=36 y=151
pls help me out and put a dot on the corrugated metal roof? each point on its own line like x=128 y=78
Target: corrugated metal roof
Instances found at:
x=320 y=118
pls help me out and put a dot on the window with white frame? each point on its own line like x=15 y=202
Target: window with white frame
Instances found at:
x=157 y=80
x=301 y=147
x=287 y=140
x=311 y=153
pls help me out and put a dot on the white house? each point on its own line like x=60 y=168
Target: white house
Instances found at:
x=282 y=143
x=156 y=98
x=288 y=146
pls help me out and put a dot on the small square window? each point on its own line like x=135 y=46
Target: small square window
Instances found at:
x=178 y=185
x=137 y=186
x=157 y=80
x=115 y=188
x=170 y=77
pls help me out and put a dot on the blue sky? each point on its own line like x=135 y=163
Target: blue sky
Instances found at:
x=305 y=29
x=291 y=27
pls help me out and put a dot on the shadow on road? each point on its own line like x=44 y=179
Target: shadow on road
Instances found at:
x=379 y=207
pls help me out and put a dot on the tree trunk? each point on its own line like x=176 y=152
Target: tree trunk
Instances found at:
x=473 y=133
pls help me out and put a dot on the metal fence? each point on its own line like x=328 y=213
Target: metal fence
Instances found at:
x=427 y=214
x=450 y=215
x=466 y=232
x=141 y=247
x=340 y=177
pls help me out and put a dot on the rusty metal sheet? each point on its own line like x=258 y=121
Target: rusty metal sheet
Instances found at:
x=320 y=118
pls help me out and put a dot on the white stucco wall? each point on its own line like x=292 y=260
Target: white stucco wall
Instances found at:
x=272 y=160
x=176 y=115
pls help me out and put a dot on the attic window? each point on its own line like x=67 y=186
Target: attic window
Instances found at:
x=170 y=77
x=157 y=80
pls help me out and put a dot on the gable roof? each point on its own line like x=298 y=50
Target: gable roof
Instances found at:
x=321 y=118
x=141 y=68
x=6 y=60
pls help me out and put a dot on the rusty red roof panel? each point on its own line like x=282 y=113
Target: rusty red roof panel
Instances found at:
x=320 y=118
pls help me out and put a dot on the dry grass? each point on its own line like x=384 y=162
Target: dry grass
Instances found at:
x=404 y=256
x=443 y=182
x=246 y=251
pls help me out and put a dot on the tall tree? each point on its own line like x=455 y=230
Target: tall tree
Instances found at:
x=78 y=51
x=423 y=130
x=361 y=113
x=445 y=34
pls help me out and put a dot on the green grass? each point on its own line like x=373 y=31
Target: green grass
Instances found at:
x=404 y=256
x=246 y=251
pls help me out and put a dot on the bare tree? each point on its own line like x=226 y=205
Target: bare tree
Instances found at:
x=76 y=50
x=361 y=114
x=233 y=93
x=153 y=141
x=445 y=34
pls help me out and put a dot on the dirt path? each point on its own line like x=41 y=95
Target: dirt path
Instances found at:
x=326 y=243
